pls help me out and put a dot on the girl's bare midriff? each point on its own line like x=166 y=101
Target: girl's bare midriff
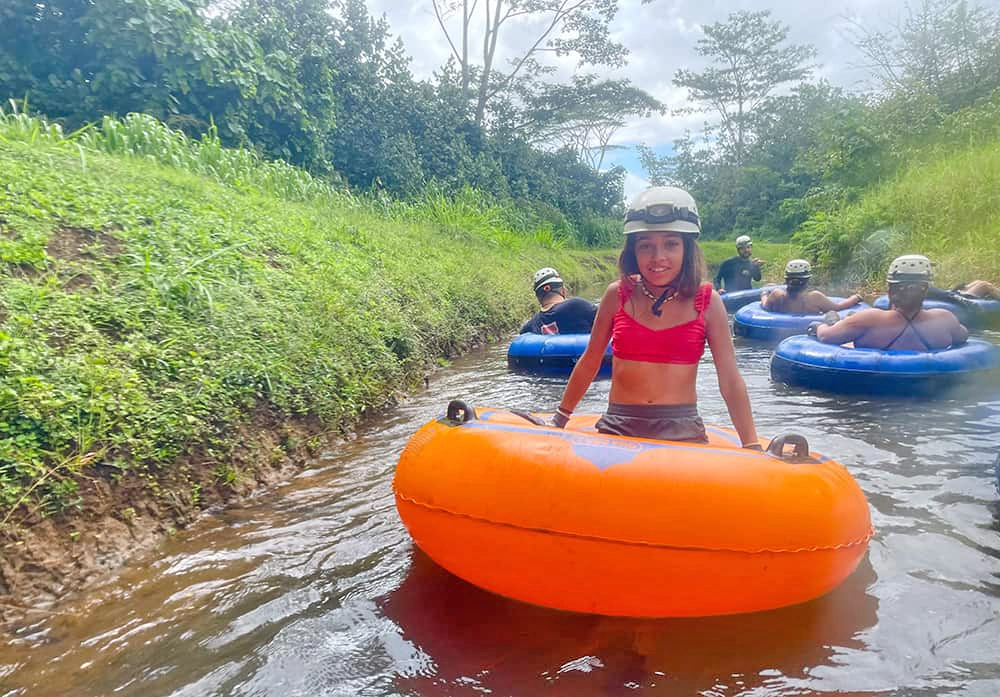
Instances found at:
x=639 y=382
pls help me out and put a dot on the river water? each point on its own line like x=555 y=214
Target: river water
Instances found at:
x=315 y=588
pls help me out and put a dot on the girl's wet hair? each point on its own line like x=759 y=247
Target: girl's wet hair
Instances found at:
x=692 y=268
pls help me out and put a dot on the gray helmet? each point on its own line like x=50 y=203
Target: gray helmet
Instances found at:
x=743 y=241
x=910 y=268
x=798 y=268
x=663 y=209
x=546 y=276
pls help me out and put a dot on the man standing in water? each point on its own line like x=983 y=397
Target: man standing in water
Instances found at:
x=559 y=314
x=796 y=300
x=905 y=326
x=739 y=272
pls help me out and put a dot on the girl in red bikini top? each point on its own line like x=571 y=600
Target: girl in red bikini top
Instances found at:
x=658 y=317
x=681 y=343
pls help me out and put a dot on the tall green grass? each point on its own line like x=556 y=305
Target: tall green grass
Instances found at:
x=155 y=290
x=947 y=209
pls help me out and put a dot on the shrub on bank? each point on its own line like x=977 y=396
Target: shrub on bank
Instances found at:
x=145 y=310
x=947 y=209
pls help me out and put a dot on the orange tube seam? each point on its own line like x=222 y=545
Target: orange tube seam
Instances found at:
x=640 y=543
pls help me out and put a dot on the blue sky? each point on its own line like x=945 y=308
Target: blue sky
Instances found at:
x=661 y=37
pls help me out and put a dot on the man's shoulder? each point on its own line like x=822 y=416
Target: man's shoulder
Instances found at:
x=941 y=314
x=578 y=303
x=870 y=316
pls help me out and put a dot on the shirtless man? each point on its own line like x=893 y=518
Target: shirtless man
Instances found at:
x=903 y=327
x=796 y=300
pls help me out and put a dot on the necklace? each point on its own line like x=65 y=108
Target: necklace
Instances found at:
x=654 y=298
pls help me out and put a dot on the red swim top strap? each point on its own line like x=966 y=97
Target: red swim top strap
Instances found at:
x=703 y=298
x=625 y=288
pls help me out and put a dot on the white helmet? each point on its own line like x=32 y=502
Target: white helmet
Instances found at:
x=798 y=268
x=910 y=268
x=548 y=275
x=743 y=241
x=663 y=209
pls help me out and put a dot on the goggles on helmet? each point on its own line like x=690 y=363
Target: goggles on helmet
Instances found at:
x=662 y=213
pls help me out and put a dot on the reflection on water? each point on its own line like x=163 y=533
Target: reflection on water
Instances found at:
x=478 y=638
x=315 y=588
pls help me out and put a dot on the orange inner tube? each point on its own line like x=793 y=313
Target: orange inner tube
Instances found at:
x=581 y=521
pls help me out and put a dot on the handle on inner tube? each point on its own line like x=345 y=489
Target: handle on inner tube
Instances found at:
x=459 y=412
x=777 y=446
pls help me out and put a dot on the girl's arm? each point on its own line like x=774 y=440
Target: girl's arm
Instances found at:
x=731 y=385
x=590 y=362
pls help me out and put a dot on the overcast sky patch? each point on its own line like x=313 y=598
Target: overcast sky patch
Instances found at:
x=661 y=38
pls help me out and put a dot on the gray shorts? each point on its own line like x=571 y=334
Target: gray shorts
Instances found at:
x=659 y=421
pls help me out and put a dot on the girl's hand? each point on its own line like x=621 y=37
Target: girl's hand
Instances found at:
x=561 y=417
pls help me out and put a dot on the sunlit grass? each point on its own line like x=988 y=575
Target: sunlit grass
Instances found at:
x=948 y=209
x=154 y=288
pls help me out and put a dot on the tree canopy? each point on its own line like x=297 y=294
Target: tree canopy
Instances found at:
x=323 y=85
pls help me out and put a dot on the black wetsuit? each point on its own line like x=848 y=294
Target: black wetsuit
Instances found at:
x=571 y=316
x=737 y=273
x=955 y=297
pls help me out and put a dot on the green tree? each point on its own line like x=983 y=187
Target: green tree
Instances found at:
x=562 y=27
x=291 y=113
x=78 y=60
x=946 y=48
x=584 y=115
x=749 y=61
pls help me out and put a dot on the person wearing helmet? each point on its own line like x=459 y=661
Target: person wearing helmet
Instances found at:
x=795 y=299
x=658 y=316
x=905 y=326
x=559 y=314
x=739 y=272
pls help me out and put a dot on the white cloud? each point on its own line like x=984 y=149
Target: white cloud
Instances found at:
x=633 y=185
x=662 y=37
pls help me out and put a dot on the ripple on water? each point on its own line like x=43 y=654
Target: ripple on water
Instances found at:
x=315 y=589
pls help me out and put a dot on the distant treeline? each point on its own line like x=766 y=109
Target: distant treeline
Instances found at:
x=317 y=83
x=785 y=155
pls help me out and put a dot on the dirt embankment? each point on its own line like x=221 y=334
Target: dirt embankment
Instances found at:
x=45 y=559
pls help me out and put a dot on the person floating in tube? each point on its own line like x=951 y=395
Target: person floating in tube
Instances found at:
x=906 y=326
x=796 y=299
x=659 y=314
x=739 y=272
x=558 y=314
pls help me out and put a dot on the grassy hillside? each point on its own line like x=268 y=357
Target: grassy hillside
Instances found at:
x=146 y=310
x=946 y=208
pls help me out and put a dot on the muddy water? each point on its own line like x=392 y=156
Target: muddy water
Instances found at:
x=315 y=589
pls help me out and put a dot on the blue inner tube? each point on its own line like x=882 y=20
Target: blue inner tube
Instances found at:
x=807 y=362
x=551 y=354
x=980 y=312
x=737 y=299
x=754 y=322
